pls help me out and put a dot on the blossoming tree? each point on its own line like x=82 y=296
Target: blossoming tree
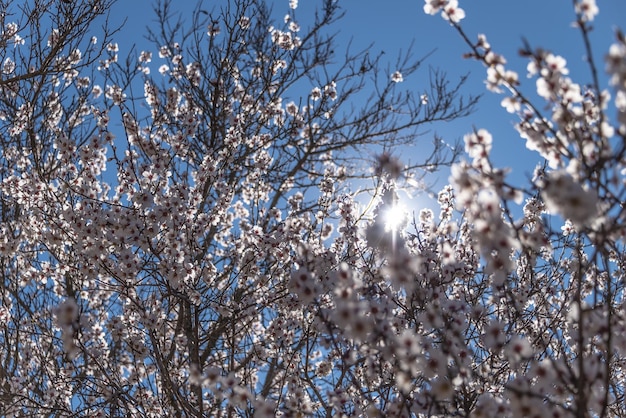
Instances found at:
x=179 y=237
x=167 y=232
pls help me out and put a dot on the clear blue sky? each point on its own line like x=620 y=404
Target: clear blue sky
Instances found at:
x=392 y=24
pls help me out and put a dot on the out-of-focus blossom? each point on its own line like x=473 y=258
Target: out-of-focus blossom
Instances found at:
x=568 y=198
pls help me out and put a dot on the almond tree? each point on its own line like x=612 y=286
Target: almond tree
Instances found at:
x=177 y=229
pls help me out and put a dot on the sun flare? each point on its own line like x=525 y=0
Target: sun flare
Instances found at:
x=395 y=216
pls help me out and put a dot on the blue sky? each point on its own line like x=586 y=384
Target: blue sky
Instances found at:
x=393 y=24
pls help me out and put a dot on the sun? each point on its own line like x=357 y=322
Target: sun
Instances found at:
x=395 y=217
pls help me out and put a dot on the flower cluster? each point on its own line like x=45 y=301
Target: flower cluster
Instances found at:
x=450 y=9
